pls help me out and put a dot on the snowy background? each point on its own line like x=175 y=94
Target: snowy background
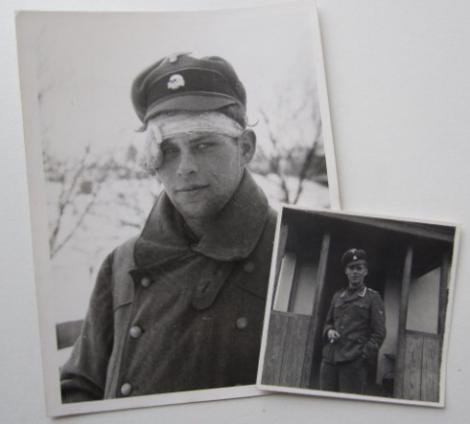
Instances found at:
x=98 y=196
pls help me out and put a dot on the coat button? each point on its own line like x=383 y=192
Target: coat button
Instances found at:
x=242 y=323
x=135 y=332
x=126 y=389
x=145 y=282
x=249 y=266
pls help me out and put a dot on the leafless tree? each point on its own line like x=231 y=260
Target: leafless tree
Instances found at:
x=275 y=158
x=292 y=155
x=73 y=183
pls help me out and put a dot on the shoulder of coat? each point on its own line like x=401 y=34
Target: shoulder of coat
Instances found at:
x=266 y=240
x=374 y=295
x=127 y=245
x=123 y=256
x=339 y=293
x=271 y=219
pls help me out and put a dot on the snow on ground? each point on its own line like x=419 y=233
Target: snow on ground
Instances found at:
x=119 y=212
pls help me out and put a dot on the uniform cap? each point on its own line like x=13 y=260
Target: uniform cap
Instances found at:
x=353 y=255
x=183 y=83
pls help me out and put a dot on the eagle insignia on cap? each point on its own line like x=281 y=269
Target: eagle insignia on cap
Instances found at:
x=355 y=258
x=175 y=81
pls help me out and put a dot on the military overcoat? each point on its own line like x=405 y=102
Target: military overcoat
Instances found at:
x=359 y=318
x=187 y=314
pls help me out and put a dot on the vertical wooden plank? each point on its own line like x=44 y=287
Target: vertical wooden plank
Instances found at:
x=284 y=286
x=430 y=369
x=400 y=364
x=414 y=364
x=281 y=248
x=294 y=286
x=443 y=293
x=314 y=324
x=274 y=348
x=294 y=351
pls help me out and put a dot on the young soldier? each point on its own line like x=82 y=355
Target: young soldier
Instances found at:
x=181 y=306
x=354 y=329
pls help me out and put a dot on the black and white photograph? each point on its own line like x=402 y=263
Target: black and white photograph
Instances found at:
x=159 y=148
x=359 y=307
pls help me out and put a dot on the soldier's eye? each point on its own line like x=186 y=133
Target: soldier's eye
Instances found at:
x=204 y=146
x=170 y=151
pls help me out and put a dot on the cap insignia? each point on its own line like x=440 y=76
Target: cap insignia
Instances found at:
x=175 y=81
x=355 y=258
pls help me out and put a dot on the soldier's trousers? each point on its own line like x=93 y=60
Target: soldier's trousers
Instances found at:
x=346 y=377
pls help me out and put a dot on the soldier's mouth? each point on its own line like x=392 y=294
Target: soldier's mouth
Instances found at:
x=191 y=188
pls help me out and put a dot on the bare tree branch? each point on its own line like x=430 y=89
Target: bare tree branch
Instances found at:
x=306 y=164
x=77 y=225
x=275 y=159
x=64 y=199
x=126 y=223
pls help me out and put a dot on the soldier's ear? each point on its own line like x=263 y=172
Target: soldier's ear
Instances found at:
x=247 y=144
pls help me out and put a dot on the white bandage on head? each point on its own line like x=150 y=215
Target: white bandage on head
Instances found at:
x=165 y=126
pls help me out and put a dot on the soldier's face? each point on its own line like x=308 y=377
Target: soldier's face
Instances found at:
x=356 y=273
x=201 y=171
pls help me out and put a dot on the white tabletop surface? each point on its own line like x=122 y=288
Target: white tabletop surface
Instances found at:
x=398 y=77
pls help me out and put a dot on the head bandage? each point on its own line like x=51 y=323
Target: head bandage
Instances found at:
x=166 y=126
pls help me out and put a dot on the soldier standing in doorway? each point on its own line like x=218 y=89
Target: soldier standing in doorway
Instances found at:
x=354 y=329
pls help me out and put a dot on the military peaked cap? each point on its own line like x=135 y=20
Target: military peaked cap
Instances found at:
x=182 y=82
x=353 y=255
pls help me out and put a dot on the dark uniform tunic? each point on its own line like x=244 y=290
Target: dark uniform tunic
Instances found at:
x=359 y=318
x=190 y=316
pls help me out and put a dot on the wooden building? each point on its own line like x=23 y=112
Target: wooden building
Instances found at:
x=408 y=265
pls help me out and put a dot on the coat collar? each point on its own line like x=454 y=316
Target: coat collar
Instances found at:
x=346 y=296
x=233 y=233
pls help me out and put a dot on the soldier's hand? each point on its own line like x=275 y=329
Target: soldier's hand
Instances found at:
x=333 y=335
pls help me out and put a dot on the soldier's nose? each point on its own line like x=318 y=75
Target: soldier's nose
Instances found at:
x=186 y=164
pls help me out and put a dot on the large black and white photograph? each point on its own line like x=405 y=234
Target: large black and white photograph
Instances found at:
x=160 y=147
x=359 y=307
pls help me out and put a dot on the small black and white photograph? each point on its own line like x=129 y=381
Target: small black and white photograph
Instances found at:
x=160 y=146
x=359 y=307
